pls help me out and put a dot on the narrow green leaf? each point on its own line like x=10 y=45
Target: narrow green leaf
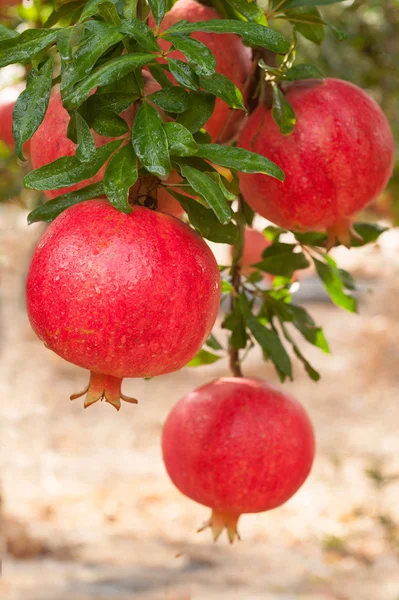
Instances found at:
x=200 y=110
x=235 y=323
x=240 y=159
x=86 y=149
x=92 y=8
x=6 y=33
x=51 y=209
x=68 y=170
x=120 y=175
x=332 y=280
x=268 y=340
x=158 y=9
x=302 y=320
x=367 y=233
x=250 y=10
x=299 y=3
x=68 y=38
x=109 y=124
x=172 y=99
x=142 y=34
x=205 y=221
x=252 y=33
x=180 y=140
x=198 y=56
x=159 y=74
x=31 y=105
x=210 y=191
x=225 y=89
x=282 y=111
x=203 y=358
x=308 y=22
x=223 y=185
x=213 y=343
x=113 y=102
x=108 y=11
x=130 y=9
x=21 y=48
x=303 y=72
x=109 y=73
x=150 y=141
x=281 y=259
x=184 y=74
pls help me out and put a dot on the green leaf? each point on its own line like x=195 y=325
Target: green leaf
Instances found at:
x=108 y=11
x=101 y=37
x=109 y=124
x=223 y=185
x=150 y=141
x=68 y=170
x=111 y=102
x=308 y=22
x=299 y=3
x=159 y=74
x=205 y=222
x=282 y=111
x=198 y=56
x=225 y=89
x=210 y=191
x=158 y=9
x=31 y=105
x=250 y=10
x=51 y=209
x=68 y=38
x=367 y=233
x=21 y=48
x=6 y=33
x=120 y=175
x=251 y=33
x=213 y=343
x=298 y=72
x=183 y=74
x=200 y=110
x=91 y=9
x=172 y=99
x=235 y=323
x=240 y=159
x=203 y=358
x=110 y=72
x=142 y=34
x=332 y=280
x=130 y=9
x=268 y=340
x=302 y=320
x=180 y=140
x=280 y=259
x=86 y=150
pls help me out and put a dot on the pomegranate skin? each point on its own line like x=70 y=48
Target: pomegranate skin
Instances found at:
x=338 y=159
x=122 y=295
x=233 y=60
x=238 y=445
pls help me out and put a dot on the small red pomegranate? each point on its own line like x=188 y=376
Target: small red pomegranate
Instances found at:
x=8 y=98
x=233 y=60
x=237 y=446
x=338 y=159
x=123 y=295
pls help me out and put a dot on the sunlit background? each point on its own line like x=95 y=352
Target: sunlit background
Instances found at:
x=88 y=512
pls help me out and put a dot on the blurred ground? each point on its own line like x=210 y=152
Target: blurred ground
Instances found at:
x=89 y=513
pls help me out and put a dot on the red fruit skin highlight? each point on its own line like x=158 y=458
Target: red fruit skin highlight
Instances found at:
x=122 y=295
x=338 y=159
x=238 y=445
x=233 y=60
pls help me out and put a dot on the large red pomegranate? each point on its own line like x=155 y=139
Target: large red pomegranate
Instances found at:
x=123 y=295
x=337 y=161
x=237 y=446
x=233 y=60
x=8 y=98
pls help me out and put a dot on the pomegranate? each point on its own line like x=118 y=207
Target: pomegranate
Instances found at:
x=8 y=98
x=237 y=446
x=337 y=161
x=233 y=60
x=123 y=295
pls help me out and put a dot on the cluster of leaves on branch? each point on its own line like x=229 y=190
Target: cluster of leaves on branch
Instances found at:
x=96 y=52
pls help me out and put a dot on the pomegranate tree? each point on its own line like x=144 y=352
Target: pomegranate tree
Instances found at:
x=122 y=295
x=337 y=160
x=237 y=445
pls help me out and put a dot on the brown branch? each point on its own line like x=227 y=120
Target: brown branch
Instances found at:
x=234 y=355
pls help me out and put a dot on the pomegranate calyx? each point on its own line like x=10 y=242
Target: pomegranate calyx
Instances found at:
x=103 y=387
x=342 y=232
x=219 y=521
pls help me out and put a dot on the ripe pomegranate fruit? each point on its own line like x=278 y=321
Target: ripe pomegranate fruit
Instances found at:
x=337 y=161
x=123 y=295
x=237 y=446
x=8 y=98
x=233 y=60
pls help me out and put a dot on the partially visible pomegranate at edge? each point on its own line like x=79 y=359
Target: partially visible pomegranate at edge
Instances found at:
x=237 y=445
x=8 y=98
x=254 y=244
x=122 y=295
x=338 y=159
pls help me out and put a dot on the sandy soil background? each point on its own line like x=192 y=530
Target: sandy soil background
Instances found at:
x=89 y=512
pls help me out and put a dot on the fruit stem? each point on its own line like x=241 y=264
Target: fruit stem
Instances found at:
x=235 y=272
x=103 y=387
